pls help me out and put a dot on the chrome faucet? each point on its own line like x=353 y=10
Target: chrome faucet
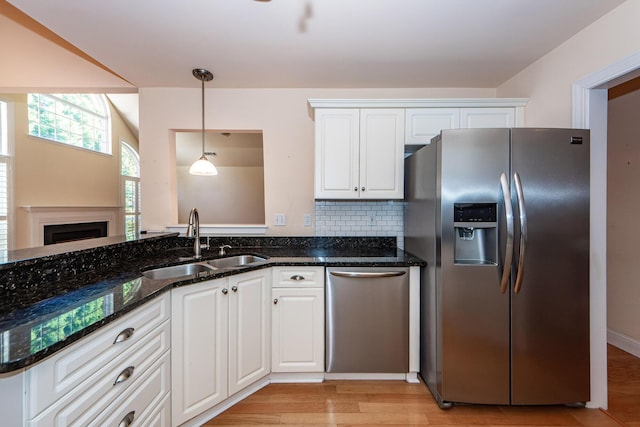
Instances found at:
x=193 y=230
x=222 y=248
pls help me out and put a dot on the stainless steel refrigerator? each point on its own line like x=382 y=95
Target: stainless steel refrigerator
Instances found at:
x=502 y=218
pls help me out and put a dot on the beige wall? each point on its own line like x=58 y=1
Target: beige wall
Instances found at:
x=243 y=205
x=34 y=59
x=547 y=83
x=623 y=233
x=286 y=121
x=53 y=174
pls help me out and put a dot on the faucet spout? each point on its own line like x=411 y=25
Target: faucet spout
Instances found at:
x=193 y=230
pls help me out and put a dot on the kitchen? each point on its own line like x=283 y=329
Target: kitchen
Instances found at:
x=288 y=127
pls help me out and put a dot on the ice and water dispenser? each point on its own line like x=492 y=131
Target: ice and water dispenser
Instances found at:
x=476 y=233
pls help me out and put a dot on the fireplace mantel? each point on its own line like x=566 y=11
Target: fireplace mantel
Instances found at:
x=39 y=216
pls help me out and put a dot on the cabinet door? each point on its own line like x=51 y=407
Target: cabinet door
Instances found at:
x=422 y=124
x=381 y=153
x=336 y=153
x=249 y=327
x=487 y=117
x=298 y=330
x=199 y=328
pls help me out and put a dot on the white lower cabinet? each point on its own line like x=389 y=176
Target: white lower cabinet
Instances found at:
x=298 y=320
x=249 y=329
x=199 y=331
x=220 y=341
x=120 y=373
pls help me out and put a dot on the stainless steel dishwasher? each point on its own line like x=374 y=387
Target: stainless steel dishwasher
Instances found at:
x=367 y=320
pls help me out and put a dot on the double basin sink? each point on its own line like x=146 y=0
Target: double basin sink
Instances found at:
x=194 y=269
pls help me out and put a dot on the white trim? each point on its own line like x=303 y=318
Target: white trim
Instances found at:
x=624 y=342
x=39 y=216
x=417 y=102
x=414 y=319
x=222 y=229
x=365 y=376
x=590 y=112
x=296 y=377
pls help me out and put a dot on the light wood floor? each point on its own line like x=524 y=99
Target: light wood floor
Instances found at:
x=396 y=403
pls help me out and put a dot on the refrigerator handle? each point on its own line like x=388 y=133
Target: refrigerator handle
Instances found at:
x=508 y=253
x=523 y=232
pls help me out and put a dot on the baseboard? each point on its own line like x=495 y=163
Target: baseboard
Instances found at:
x=624 y=342
x=311 y=377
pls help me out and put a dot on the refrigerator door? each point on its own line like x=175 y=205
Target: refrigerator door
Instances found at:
x=474 y=314
x=550 y=312
x=420 y=239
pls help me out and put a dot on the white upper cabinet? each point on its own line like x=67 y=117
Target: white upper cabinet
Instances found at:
x=422 y=124
x=359 y=153
x=425 y=118
x=487 y=117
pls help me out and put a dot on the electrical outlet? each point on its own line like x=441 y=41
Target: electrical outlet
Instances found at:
x=279 y=219
x=372 y=218
x=307 y=220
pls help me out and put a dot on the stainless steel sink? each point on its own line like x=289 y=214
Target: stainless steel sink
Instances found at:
x=176 y=271
x=235 y=261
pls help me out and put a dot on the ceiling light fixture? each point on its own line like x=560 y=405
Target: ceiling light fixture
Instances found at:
x=203 y=166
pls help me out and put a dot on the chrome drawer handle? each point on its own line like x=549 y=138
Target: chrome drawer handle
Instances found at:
x=127 y=420
x=234 y=288
x=297 y=277
x=124 y=375
x=225 y=291
x=124 y=335
x=371 y=275
x=275 y=300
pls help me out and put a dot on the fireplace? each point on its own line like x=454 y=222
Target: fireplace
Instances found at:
x=59 y=233
x=41 y=217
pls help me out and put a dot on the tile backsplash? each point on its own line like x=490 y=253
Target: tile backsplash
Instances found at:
x=360 y=218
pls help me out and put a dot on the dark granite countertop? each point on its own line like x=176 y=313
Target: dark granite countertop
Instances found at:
x=42 y=316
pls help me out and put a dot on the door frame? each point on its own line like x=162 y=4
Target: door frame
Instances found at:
x=589 y=111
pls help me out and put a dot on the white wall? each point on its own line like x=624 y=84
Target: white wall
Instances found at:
x=623 y=233
x=286 y=121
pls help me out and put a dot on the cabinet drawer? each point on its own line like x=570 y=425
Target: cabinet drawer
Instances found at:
x=142 y=401
x=78 y=367
x=298 y=277
x=160 y=416
x=110 y=383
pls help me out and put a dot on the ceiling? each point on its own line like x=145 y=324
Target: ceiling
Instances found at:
x=316 y=43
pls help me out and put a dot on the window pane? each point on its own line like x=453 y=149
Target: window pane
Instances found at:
x=81 y=120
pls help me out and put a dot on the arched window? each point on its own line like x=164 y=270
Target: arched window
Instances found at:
x=5 y=180
x=130 y=171
x=77 y=119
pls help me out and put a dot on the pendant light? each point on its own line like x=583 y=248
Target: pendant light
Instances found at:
x=203 y=166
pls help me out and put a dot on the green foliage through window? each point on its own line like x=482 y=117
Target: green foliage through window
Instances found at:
x=130 y=171
x=81 y=120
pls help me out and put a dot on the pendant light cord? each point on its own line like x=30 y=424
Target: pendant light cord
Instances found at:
x=202 y=80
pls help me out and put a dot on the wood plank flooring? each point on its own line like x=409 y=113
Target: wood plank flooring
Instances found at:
x=624 y=387
x=396 y=403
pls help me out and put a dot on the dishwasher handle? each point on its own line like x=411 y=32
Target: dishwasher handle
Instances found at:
x=367 y=274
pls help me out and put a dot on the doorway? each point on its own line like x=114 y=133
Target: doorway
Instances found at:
x=590 y=111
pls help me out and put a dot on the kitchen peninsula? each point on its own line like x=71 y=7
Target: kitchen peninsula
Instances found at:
x=62 y=300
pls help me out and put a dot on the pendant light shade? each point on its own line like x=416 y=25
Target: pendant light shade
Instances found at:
x=203 y=166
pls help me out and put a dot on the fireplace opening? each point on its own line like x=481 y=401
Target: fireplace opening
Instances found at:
x=59 y=233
